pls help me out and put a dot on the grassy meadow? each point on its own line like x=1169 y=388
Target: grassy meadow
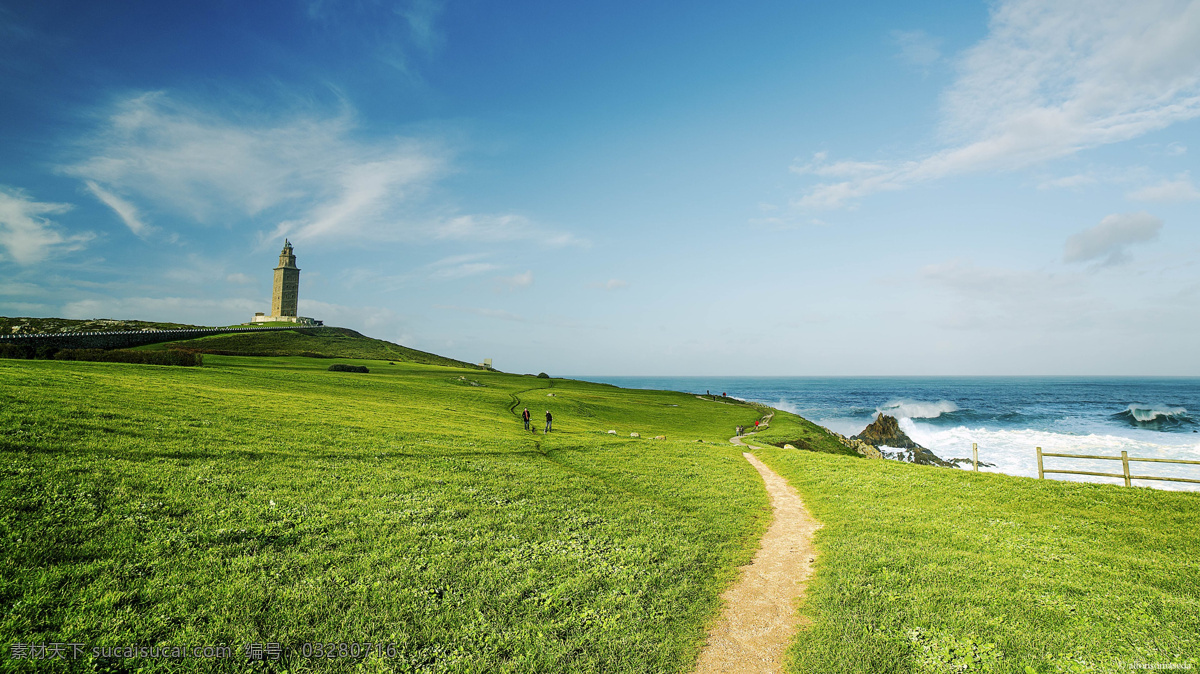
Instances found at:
x=926 y=569
x=259 y=500
x=267 y=500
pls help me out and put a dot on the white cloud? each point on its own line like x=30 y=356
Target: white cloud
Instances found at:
x=997 y=298
x=21 y=289
x=917 y=47
x=312 y=176
x=491 y=228
x=488 y=313
x=1049 y=80
x=125 y=210
x=402 y=32
x=1068 y=182
x=1112 y=237
x=1180 y=189
x=307 y=170
x=523 y=280
x=421 y=16
x=27 y=235
x=366 y=318
x=240 y=278
x=24 y=308
x=461 y=266
x=197 y=311
x=464 y=270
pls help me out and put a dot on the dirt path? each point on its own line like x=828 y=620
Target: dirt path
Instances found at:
x=759 y=615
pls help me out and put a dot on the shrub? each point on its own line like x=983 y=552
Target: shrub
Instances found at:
x=168 y=357
x=25 y=351
x=339 y=367
x=543 y=375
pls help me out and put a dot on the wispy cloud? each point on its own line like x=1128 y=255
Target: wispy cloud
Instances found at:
x=305 y=176
x=999 y=298
x=27 y=235
x=1068 y=182
x=500 y=228
x=124 y=210
x=819 y=165
x=1180 y=189
x=200 y=311
x=487 y=313
x=1049 y=80
x=1111 y=238
x=402 y=33
x=421 y=17
x=461 y=266
x=208 y=167
x=359 y=317
x=516 y=281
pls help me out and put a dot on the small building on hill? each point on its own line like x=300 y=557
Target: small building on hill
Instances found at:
x=285 y=293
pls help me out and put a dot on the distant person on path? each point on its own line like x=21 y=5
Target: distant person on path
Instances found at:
x=525 y=418
x=756 y=425
x=549 y=421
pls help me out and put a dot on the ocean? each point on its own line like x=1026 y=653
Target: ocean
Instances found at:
x=1008 y=417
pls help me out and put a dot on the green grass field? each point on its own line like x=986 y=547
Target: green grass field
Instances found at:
x=266 y=500
x=926 y=569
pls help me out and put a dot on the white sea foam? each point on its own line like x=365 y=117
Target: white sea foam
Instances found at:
x=1146 y=413
x=1014 y=451
x=786 y=406
x=904 y=408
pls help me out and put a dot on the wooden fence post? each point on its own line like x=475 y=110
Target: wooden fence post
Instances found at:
x=1125 y=463
x=1041 y=475
x=975 y=454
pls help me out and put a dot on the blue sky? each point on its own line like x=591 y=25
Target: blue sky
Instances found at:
x=622 y=188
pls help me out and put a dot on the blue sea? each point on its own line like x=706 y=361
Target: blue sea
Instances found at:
x=1008 y=417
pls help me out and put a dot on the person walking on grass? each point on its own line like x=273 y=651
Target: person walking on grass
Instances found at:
x=525 y=417
x=549 y=421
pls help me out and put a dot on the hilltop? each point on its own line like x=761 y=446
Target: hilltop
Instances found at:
x=326 y=342
x=29 y=325
x=311 y=343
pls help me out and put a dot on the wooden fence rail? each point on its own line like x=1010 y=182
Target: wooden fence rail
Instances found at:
x=1125 y=460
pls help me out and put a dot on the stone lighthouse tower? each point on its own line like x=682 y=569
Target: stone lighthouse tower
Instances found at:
x=286 y=290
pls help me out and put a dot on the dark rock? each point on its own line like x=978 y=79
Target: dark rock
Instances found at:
x=339 y=367
x=885 y=432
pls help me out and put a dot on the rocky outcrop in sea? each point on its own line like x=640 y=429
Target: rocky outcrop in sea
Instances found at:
x=884 y=435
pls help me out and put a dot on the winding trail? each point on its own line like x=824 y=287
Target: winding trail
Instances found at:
x=759 y=616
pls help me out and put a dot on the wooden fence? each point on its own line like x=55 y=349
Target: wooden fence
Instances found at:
x=1125 y=460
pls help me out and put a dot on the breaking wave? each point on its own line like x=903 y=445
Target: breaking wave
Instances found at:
x=1013 y=451
x=916 y=409
x=1154 y=417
